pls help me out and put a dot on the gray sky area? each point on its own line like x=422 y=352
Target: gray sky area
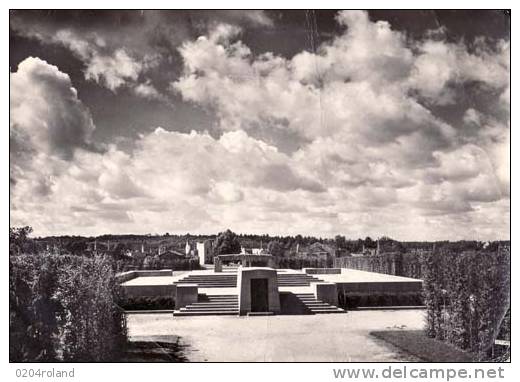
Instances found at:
x=283 y=122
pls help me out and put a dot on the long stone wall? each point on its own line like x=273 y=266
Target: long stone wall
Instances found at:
x=137 y=291
x=389 y=287
x=126 y=276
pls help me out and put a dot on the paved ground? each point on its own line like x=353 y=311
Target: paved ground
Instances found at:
x=357 y=276
x=325 y=337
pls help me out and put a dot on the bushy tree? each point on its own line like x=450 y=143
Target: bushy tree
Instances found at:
x=19 y=239
x=275 y=248
x=227 y=242
x=340 y=242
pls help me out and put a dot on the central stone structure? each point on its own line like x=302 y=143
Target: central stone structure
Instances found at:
x=245 y=260
x=258 y=291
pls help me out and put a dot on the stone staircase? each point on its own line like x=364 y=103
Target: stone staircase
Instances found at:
x=211 y=305
x=225 y=268
x=218 y=280
x=229 y=280
x=220 y=305
x=296 y=279
x=315 y=306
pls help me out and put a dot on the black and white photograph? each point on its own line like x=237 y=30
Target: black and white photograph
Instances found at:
x=267 y=186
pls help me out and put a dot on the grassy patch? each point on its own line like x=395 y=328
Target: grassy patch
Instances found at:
x=149 y=303
x=155 y=349
x=415 y=342
x=353 y=301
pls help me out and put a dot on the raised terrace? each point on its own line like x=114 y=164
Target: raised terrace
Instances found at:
x=307 y=291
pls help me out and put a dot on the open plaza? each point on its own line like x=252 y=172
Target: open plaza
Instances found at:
x=281 y=338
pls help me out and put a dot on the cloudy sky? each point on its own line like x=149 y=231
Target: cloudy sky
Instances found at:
x=283 y=122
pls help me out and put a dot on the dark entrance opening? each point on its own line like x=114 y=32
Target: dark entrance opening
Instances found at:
x=259 y=295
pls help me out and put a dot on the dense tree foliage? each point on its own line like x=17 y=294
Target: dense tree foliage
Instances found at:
x=467 y=297
x=466 y=292
x=18 y=240
x=340 y=241
x=226 y=242
x=64 y=308
x=275 y=248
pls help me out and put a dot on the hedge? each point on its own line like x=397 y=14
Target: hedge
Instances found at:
x=64 y=308
x=467 y=296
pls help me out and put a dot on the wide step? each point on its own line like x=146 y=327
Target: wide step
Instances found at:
x=180 y=313
x=296 y=279
x=211 y=305
x=229 y=280
x=211 y=281
x=316 y=306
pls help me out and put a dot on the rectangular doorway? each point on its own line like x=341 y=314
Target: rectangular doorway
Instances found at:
x=259 y=295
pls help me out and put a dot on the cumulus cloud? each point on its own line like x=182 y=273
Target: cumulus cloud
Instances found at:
x=46 y=114
x=114 y=70
x=117 y=47
x=168 y=172
x=368 y=51
x=109 y=66
x=202 y=160
x=346 y=90
x=374 y=155
x=440 y=64
x=147 y=90
x=357 y=106
x=225 y=192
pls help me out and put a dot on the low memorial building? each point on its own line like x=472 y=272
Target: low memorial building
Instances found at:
x=254 y=288
x=258 y=291
x=245 y=260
